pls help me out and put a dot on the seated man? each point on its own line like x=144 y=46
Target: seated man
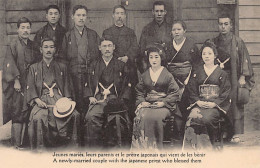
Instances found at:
x=53 y=120
x=108 y=79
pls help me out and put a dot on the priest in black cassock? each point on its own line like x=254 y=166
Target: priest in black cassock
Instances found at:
x=125 y=41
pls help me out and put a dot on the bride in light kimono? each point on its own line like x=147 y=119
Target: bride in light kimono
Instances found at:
x=209 y=90
x=156 y=94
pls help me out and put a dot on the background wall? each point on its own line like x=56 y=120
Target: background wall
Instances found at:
x=200 y=16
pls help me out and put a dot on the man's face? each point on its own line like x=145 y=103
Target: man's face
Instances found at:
x=159 y=13
x=107 y=48
x=53 y=16
x=24 y=30
x=80 y=17
x=224 y=25
x=119 y=16
x=47 y=49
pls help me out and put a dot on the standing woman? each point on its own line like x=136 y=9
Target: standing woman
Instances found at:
x=209 y=89
x=157 y=93
x=182 y=56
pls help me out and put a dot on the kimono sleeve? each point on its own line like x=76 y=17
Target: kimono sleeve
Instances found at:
x=140 y=92
x=127 y=82
x=62 y=54
x=172 y=94
x=193 y=89
x=67 y=84
x=31 y=90
x=37 y=42
x=10 y=70
x=246 y=65
x=88 y=89
x=224 y=92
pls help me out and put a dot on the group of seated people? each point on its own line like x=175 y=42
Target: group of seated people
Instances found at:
x=67 y=88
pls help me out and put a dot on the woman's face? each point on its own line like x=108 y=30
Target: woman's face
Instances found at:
x=178 y=31
x=154 y=59
x=208 y=55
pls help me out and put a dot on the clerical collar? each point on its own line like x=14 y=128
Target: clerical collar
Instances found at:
x=119 y=26
x=176 y=46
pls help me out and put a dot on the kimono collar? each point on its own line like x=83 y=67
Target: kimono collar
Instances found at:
x=107 y=62
x=53 y=28
x=23 y=41
x=77 y=31
x=176 y=46
x=209 y=71
x=45 y=64
x=155 y=75
x=226 y=37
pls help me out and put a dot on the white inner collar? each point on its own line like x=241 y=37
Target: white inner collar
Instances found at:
x=177 y=47
x=155 y=75
x=209 y=71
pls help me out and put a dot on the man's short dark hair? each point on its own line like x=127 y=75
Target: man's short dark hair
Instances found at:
x=52 y=7
x=225 y=15
x=118 y=6
x=106 y=38
x=23 y=20
x=77 y=7
x=158 y=3
x=47 y=39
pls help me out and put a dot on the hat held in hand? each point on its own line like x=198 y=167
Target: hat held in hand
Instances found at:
x=63 y=107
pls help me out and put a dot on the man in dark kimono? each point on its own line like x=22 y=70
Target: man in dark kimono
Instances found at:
x=124 y=38
x=79 y=48
x=234 y=58
x=18 y=58
x=49 y=81
x=108 y=79
x=157 y=31
x=53 y=29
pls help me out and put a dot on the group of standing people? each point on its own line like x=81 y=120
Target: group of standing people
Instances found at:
x=61 y=83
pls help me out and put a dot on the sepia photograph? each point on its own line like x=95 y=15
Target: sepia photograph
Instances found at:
x=130 y=83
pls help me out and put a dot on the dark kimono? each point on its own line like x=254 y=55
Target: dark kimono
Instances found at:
x=115 y=77
x=46 y=130
x=19 y=57
x=48 y=32
x=201 y=129
x=239 y=64
x=148 y=123
x=153 y=33
x=78 y=51
x=180 y=64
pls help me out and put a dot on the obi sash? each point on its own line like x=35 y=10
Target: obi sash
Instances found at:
x=180 y=70
x=154 y=96
x=208 y=91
